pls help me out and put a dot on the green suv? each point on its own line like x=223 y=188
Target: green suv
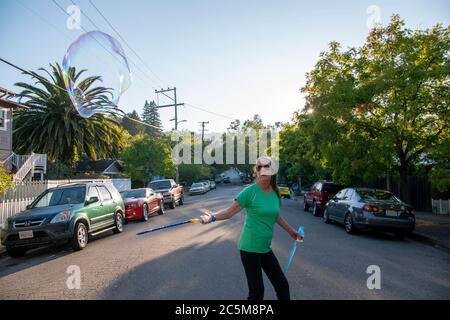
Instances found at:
x=68 y=213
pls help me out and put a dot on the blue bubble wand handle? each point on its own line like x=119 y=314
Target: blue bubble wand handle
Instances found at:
x=301 y=232
x=168 y=226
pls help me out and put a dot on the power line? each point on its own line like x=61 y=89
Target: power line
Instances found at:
x=211 y=112
x=42 y=18
x=93 y=23
x=126 y=43
x=104 y=48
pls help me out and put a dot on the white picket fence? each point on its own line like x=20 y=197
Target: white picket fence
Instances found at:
x=440 y=206
x=9 y=208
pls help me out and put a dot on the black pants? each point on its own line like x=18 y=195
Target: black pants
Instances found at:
x=254 y=263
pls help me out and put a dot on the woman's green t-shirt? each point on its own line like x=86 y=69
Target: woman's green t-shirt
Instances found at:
x=262 y=210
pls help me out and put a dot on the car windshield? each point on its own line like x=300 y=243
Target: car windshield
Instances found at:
x=157 y=185
x=134 y=194
x=332 y=188
x=57 y=197
x=197 y=185
x=369 y=195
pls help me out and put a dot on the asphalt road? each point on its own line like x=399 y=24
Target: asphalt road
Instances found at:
x=202 y=262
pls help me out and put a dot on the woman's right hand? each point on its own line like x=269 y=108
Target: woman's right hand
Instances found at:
x=206 y=218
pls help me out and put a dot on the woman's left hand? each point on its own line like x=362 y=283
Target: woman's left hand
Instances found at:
x=294 y=234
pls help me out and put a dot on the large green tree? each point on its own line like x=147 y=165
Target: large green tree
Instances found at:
x=145 y=157
x=382 y=107
x=133 y=127
x=53 y=126
x=150 y=115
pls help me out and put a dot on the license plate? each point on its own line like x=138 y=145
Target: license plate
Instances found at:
x=25 y=234
x=392 y=213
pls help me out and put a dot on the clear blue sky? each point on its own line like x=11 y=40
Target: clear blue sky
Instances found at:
x=234 y=57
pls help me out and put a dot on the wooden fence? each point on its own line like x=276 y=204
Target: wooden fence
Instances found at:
x=440 y=206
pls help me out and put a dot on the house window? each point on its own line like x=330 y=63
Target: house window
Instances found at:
x=3 y=119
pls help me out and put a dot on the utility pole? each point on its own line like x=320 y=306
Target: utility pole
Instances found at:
x=203 y=123
x=176 y=105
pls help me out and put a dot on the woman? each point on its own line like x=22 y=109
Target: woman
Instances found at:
x=262 y=202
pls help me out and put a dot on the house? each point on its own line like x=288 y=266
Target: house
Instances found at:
x=24 y=167
x=111 y=167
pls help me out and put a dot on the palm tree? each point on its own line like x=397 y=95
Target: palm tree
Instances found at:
x=52 y=126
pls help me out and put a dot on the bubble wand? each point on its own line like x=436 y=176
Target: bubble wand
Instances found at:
x=168 y=226
x=301 y=231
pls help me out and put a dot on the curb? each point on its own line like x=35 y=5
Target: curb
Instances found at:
x=429 y=240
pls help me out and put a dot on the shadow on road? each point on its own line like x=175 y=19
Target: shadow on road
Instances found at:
x=42 y=255
x=186 y=273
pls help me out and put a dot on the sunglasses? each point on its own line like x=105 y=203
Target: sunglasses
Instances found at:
x=258 y=168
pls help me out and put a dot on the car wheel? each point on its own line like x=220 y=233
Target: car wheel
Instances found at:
x=172 y=204
x=16 y=252
x=305 y=205
x=145 y=212
x=118 y=223
x=80 y=237
x=181 y=202
x=161 y=208
x=349 y=228
x=326 y=219
x=316 y=210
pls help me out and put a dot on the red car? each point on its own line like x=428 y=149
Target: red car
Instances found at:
x=318 y=196
x=141 y=203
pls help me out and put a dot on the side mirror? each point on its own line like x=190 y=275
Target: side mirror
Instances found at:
x=28 y=206
x=92 y=200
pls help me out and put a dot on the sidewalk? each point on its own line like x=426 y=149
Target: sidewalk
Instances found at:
x=433 y=229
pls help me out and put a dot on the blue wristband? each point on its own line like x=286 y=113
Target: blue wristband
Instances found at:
x=213 y=218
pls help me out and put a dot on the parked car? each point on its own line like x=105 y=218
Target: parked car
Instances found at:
x=207 y=184
x=218 y=179
x=227 y=180
x=363 y=209
x=213 y=185
x=173 y=194
x=197 y=188
x=141 y=203
x=68 y=213
x=247 y=180
x=285 y=192
x=318 y=196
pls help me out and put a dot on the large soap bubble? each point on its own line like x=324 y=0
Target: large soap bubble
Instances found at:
x=99 y=55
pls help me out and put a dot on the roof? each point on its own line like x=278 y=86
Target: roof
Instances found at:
x=6 y=103
x=96 y=166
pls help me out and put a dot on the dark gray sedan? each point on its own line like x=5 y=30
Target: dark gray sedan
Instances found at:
x=362 y=209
